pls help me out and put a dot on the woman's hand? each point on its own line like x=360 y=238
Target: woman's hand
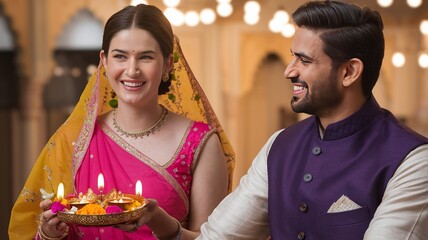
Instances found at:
x=150 y=210
x=50 y=224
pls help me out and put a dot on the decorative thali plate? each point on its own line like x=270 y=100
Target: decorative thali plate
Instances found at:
x=103 y=219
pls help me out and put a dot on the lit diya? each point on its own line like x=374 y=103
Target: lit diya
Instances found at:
x=123 y=203
x=82 y=199
x=79 y=204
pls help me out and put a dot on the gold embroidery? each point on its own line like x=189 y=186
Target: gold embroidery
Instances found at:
x=201 y=145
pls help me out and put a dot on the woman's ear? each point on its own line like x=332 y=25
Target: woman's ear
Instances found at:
x=353 y=71
x=103 y=58
x=169 y=63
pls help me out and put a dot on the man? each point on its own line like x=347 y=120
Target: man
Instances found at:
x=351 y=170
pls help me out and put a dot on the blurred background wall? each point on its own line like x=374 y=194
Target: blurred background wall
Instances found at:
x=48 y=48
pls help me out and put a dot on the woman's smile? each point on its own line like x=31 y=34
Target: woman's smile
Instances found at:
x=132 y=85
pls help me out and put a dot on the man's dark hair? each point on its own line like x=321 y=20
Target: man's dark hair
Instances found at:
x=347 y=31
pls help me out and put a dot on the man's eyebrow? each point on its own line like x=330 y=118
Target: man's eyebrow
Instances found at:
x=302 y=55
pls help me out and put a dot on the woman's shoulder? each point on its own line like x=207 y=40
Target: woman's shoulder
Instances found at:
x=185 y=121
x=177 y=119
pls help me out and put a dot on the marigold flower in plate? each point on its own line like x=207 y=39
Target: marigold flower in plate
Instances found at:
x=91 y=209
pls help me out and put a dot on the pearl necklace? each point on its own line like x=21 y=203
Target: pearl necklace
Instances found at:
x=146 y=132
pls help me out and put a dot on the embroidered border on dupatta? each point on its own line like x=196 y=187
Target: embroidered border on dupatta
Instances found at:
x=85 y=135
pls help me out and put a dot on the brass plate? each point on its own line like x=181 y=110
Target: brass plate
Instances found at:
x=103 y=219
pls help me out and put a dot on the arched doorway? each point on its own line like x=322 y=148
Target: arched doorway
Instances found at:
x=266 y=107
x=76 y=57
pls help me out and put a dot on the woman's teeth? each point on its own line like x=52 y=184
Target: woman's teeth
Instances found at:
x=133 y=84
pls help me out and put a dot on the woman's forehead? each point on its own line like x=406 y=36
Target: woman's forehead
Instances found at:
x=134 y=38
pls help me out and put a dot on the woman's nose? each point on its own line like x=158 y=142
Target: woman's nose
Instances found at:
x=132 y=70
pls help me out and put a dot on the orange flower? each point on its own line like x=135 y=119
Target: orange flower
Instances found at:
x=135 y=204
x=91 y=209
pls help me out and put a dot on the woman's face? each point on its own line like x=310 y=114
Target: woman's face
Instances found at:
x=135 y=66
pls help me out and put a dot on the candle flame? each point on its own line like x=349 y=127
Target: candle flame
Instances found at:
x=60 y=192
x=138 y=188
x=100 y=182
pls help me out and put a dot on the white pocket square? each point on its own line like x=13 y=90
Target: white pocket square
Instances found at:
x=343 y=204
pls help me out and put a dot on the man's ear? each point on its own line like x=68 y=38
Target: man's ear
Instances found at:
x=353 y=70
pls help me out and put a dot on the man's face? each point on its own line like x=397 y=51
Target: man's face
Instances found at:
x=316 y=84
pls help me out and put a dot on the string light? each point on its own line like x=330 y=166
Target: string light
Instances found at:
x=252 y=7
x=252 y=11
x=191 y=18
x=282 y=16
x=423 y=60
x=280 y=23
x=288 y=30
x=224 y=9
x=136 y=2
x=207 y=16
x=414 y=3
x=251 y=19
x=171 y=3
x=398 y=59
x=174 y=16
x=385 y=3
x=423 y=27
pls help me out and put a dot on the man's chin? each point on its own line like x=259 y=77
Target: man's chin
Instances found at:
x=295 y=107
x=295 y=104
x=299 y=106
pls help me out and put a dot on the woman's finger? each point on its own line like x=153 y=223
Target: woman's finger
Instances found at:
x=45 y=204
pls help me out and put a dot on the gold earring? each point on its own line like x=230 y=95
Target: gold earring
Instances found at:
x=165 y=77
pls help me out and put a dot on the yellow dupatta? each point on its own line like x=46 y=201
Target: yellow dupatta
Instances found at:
x=62 y=155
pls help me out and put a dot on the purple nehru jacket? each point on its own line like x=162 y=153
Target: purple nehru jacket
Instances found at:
x=356 y=158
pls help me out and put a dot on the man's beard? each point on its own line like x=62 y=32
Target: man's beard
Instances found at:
x=320 y=97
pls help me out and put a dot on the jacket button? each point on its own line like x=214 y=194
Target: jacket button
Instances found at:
x=303 y=207
x=316 y=150
x=301 y=236
x=307 y=177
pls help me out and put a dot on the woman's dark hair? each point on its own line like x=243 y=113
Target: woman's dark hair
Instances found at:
x=347 y=31
x=149 y=18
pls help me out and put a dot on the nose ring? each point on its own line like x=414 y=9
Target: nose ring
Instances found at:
x=132 y=73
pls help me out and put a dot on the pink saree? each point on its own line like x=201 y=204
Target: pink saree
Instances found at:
x=168 y=184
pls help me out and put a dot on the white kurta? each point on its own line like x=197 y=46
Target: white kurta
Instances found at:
x=402 y=215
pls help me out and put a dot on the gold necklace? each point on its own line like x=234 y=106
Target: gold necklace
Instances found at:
x=146 y=132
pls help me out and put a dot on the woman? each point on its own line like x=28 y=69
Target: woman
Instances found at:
x=178 y=157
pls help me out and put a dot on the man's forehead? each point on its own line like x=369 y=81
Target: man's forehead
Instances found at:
x=308 y=42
